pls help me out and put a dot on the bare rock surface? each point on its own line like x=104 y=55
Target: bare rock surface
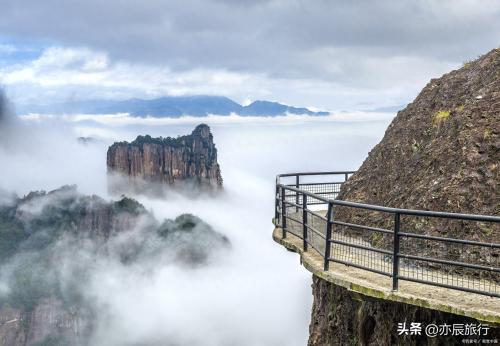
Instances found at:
x=342 y=317
x=148 y=164
x=51 y=321
x=442 y=152
x=11 y=327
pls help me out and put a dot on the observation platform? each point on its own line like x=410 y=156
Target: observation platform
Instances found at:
x=399 y=269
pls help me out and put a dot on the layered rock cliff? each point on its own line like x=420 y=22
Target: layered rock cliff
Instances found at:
x=52 y=244
x=144 y=164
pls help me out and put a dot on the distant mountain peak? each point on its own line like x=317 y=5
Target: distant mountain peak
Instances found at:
x=170 y=107
x=269 y=108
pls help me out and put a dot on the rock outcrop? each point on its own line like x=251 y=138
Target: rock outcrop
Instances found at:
x=6 y=119
x=442 y=152
x=31 y=312
x=186 y=161
x=3 y=107
x=343 y=317
x=51 y=244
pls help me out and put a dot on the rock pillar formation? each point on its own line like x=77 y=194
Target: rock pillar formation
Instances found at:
x=147 y=164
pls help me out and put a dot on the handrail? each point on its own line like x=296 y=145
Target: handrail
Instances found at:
x=301 y=195
x=414 y=212
x=314 y=173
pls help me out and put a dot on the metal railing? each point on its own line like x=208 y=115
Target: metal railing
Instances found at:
x=394 y=251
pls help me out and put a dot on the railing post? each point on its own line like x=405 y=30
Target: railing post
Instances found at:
x=304 y=221
x=276 y=204
x=283 y=212
x=297 y=181
x=328 y=236
x=395 y=256
x=346 y=176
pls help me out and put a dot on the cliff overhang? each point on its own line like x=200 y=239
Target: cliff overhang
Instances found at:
x=481 y=308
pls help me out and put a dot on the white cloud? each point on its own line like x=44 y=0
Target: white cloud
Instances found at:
x=327 y=54
x=7 y=48
x=62 y=69
x=123 y=120
x=60 y=73
x=236 y=302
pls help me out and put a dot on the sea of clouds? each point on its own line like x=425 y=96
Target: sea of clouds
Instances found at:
x=254 y=294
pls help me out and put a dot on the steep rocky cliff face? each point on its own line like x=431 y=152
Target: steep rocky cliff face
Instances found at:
x=32 y=312
x=187 y=161
x=3 y=107
x=441 y=152
x=341 y=317
x=49 y=323
x=46 y=216
x=7 y=120
x=52 y=243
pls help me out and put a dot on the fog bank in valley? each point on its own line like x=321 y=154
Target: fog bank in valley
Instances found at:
x=254 y=293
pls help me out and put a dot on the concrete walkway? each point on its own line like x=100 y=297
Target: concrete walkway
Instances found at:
x=381 y=262
x=480 y=307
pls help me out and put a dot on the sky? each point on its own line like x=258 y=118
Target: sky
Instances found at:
x=331 y=55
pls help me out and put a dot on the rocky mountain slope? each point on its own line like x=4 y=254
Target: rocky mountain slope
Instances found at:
x=53 y=244
x=442 y=152
x=146 y=164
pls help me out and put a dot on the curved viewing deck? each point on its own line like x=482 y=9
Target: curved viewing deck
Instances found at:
x=460 y=276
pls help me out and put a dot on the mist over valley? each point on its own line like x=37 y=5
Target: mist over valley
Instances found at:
x=139 y=275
